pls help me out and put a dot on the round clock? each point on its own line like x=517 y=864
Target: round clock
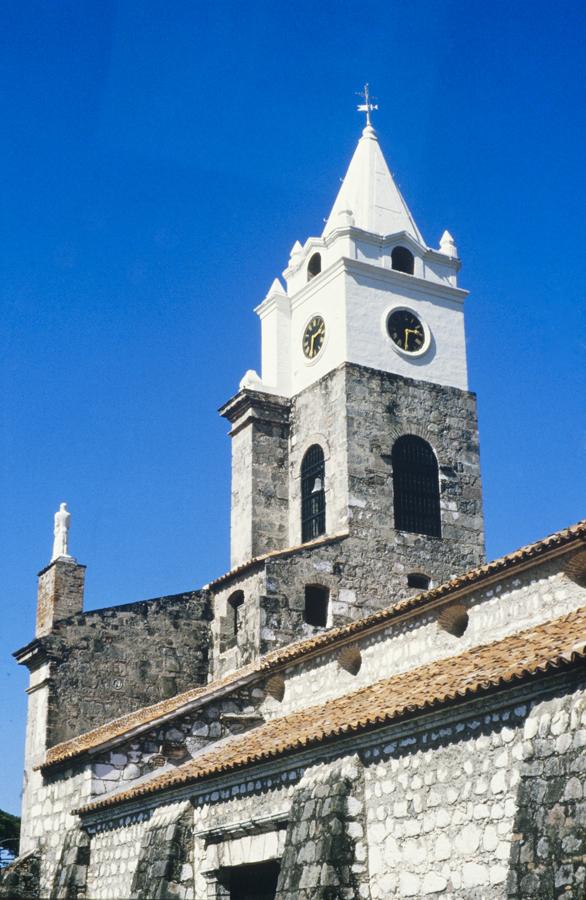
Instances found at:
x=407 y=331
x=314 y=336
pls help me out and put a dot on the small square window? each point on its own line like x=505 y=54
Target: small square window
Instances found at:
x=316 y=605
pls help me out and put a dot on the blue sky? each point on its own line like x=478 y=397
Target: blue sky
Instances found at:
x=158 y=162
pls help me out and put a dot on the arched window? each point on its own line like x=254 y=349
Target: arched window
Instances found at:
x=235 y=601
x=313 y=495
x=402 y=260
x=316 y=605
x=416 y=486
x=314 y=266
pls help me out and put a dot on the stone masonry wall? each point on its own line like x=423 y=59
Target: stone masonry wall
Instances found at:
x=170 y=744
x=515 y=603
x=114 y=856
x=71 y=876
x=533 y=596
x=49 y=818
x=21 y=878
x=260 y=492
x=458 y=812
x=548 y=853
x=245 y=646
x=355 y=414
x=481 y=802
x=318 y=416
x=380 y=408
x=325 y=851
x=164 y=867
x=493 y=613
x=60 y=593
x=484 y=801
x=242 y=823
x=111 y=661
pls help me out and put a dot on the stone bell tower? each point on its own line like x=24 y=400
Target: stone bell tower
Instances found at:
x=363 y=358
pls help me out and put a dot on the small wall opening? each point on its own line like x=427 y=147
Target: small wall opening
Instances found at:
x=418 y=580
x=235 y=601
x=256 y=881
x=403 y=260
x=316 y=605
x=314 y=266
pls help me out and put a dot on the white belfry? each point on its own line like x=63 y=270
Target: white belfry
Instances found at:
x=61 y=532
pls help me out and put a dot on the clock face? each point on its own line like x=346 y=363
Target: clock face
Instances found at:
x=314 y=336
x=406 y=330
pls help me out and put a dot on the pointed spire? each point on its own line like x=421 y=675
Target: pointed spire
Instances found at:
x=369 y=192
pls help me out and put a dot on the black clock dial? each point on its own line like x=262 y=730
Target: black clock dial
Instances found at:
x=406 y=330
x=313 y=337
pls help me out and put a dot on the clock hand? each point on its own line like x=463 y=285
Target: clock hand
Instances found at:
x=410 y=331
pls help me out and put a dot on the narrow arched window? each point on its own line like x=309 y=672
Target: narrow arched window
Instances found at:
x=416 y=486
x=314 y=266
x=313 y=494
x=402 y=260
x=235 y=601
x=315 y=611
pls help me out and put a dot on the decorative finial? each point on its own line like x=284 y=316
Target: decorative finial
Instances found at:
x=366 y=107
x=448 y=245
x=61 y=532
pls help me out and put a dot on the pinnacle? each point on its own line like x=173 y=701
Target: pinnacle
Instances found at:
x=276 y=288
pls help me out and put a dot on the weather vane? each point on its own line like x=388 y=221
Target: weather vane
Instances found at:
x=366 y=107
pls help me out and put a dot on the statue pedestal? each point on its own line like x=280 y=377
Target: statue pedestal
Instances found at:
x=60 y=593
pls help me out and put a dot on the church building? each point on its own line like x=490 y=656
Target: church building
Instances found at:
x=362 y=708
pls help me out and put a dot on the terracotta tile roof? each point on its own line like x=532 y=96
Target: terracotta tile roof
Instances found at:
x=142 y=718
x=551 y=646
x=276 y=554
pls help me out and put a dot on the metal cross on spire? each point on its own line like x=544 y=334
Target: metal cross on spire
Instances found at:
x=366 y=107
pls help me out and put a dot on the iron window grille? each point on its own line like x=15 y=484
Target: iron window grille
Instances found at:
x=313 y=495
x=416 y=487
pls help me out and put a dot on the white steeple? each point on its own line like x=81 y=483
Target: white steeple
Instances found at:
x=369 y=193
x=370 y=268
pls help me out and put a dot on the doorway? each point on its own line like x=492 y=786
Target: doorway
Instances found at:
x=257 y=881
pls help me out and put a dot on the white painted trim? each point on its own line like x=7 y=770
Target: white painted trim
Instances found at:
x=402 y=280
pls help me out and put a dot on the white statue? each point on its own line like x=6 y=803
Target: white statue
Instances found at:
x=61 y=530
